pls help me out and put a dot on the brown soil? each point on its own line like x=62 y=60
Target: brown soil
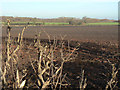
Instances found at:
x=91 y=33
x=92 y=57
x=97 y=45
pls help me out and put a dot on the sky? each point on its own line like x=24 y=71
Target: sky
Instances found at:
x=101 y=9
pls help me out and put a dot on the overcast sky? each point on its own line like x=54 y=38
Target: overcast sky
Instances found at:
x=107 y=9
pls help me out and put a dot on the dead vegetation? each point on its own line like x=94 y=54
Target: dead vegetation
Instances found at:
x=47 y=68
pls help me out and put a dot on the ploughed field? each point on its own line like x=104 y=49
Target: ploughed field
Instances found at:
x=90 y=48
x=99 y=33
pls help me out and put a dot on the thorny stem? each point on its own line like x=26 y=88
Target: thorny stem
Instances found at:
x=8 y=41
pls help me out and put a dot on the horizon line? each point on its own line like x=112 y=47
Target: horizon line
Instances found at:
x=56 y=17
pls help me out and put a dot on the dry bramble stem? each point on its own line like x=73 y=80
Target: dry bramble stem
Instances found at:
x=112 y=83
x=11 y=64
x=83 y=83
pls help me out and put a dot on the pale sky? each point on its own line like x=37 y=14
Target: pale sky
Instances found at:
x=59 y=0
x=106 y=9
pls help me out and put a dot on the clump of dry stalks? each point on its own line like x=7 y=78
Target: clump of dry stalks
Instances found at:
x=112 y=83
x=49 y=73
x=10 y=74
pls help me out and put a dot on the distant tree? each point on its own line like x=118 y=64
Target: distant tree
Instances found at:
x=28 y=23
x=75 y=22
x=43 y=23
x=84 y=19
x=79 y=23
x=70 y=22
x=34 y=20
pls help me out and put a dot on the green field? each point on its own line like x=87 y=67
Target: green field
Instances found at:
x=107 y=23
x=22 y=23
x=57 y=23
x=35 y=23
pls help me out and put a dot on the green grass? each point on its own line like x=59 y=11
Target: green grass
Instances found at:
x=34 y=23
x=105 y=23
x=56 y=23
x=48 y=23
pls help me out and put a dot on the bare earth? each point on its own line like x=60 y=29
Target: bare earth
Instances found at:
x=91 y=56
x=92 y=33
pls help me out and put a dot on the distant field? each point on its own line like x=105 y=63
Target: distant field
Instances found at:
x=107 y=23
x=57 y=23
x=35 y=23
x=99 y=33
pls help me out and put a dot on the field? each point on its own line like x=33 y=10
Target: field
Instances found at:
x=58 y=23
x=36 y=23
x=92 y=33
x=61 y=57
x=105 y=23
